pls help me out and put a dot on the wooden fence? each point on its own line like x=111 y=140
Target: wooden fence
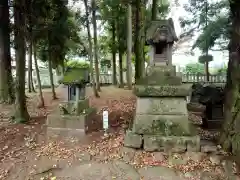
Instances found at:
x=107 y=78
x=186 y=78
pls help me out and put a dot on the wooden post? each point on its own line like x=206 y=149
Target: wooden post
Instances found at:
x=77 y=95
x=82 y=93
x=197 y=77
x=77 y=99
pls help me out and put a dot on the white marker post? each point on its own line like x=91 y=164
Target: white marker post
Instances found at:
x=105 y=122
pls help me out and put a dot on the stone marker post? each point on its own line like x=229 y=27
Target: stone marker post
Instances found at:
x=161 y=121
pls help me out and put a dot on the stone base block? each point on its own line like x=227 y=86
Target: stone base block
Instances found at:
x=70 y=107
x=160 y=75
x=171 y=143
x=64 y=132
x=165 y=125
x=82 y=121
x=133 y=140
x=164 y=105
x=162 y=91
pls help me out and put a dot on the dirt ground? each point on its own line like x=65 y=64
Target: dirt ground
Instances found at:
x=26 y=152
x=17 y=141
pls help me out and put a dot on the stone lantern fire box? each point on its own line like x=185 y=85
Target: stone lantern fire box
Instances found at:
x=75 y=116
x=161 y=121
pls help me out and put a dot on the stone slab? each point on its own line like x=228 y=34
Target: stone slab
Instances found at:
x=160 y=75
x=116 y=170
x=159 y=173
x=164 y=106
x=157 y=79
x=171 y=143
x=166 y=125
x=64 y=132
x=162 y=91
x=132 y=140
x=71 y=121
x=82 y=105
x=70 y=106
x=167 y=70
x=66 y=121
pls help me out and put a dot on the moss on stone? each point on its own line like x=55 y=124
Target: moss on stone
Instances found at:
x=162 y=126
x=82 y=105
x=168 y=128
x=88 y=111
x=69 y=108
x=75 y=76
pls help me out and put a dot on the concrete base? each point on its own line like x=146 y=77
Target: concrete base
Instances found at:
x=162 y=143
x=78 y=123
x=64 y=132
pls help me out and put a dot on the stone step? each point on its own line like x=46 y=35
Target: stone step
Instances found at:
x=171 y=143
x=166 y=125
x=162 y=143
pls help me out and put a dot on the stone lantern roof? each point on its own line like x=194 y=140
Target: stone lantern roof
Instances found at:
x=161 y=31
x=75 y=76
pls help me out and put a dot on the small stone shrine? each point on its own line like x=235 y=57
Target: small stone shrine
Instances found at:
x=213 y=98
x=75 y=114
x=161 y=121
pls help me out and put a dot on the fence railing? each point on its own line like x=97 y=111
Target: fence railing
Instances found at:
x=107 y=78
x=186 y=78
x=191 y=78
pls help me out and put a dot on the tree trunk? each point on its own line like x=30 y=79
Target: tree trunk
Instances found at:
x=137 y=43
x=90 y=53
x=121 y=85
x=120 y=54
x=114 y=69
x=54 y=96
x=95 y=44
x=6 y=80
x=207 y=71
x=142 y=36
x=30 y=78
x=154 y=10
x=230 y=134
x=21 y=113
x=129 y=47
x=41 y=99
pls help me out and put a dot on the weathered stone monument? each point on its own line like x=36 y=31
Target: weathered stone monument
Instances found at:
x=161 y=121
x=75 y=116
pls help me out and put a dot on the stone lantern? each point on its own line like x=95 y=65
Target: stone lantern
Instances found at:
x=76 y=116
x=161 y=120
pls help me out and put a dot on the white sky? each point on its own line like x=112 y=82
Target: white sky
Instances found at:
x=180 y=58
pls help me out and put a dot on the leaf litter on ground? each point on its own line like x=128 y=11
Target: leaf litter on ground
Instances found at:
x=121 y=110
